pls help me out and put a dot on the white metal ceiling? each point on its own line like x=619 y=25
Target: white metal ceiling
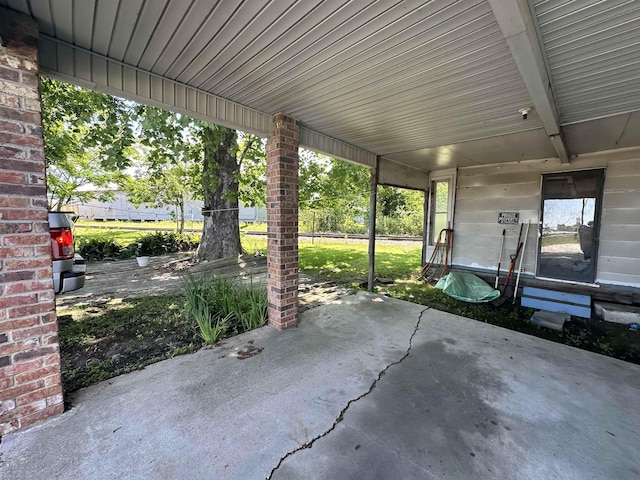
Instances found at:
x=394 y=77
x=593 y=52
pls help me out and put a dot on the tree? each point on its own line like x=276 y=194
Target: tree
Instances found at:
x=170 y=186
x=217 y=164
x=392 y=201
x=87 y=142
x=220 y=172
x=168 y=172
x=226 y=155
x=334 y=189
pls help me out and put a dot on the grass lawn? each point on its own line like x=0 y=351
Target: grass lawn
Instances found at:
x=342 y=262
x=329 y=259
x=569 y=238
x=121 y=237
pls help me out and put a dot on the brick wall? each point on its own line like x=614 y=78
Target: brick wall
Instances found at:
x=282 y=222
x=30 y=387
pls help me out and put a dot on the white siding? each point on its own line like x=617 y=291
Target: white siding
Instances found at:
x=483 y=192
x=619 y=253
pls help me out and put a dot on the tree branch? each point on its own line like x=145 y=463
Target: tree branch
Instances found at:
x=244 y=152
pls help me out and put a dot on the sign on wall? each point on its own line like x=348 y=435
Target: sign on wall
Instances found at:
x=509 y=218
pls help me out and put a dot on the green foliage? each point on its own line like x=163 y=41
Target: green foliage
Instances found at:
x=334 y=197
x=163 y=243
x=222 y=305
x=333 y=185
x=253 y=170
x=93 y=249
x=168 y=171
x=88 y=140
x=104 y=246
x=211 y=329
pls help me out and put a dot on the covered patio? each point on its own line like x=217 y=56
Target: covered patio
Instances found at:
x=502 y=91
x=366 y=387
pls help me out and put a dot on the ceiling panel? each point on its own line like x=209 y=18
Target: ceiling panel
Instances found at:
x=610 y=133
x=593 y=52
x=104 y=24
x=83 y=14
x=526 y=145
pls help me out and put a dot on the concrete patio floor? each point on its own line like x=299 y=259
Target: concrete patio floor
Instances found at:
x=376 y=387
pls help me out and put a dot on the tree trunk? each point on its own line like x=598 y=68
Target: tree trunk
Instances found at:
x=181 y=209
x=221 y=230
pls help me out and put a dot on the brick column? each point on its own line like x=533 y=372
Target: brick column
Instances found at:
x=282 y=222
x=30 y=386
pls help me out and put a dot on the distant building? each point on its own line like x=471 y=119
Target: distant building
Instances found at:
x=122 y=209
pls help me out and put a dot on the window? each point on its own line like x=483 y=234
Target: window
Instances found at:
x=439 y=208
x=571 y=204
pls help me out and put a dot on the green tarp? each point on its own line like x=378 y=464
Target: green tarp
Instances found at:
x=467 y=287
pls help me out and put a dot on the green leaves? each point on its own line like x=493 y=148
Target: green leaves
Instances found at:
x=87 y=136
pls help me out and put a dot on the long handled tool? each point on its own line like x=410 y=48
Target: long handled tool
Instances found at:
x=504 y=230
x=440 y=256
x=514 y=257
x=524 y=245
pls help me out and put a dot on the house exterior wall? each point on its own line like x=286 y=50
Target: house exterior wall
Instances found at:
x=484 y=191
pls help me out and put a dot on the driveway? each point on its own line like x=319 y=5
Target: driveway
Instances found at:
x=367 y=387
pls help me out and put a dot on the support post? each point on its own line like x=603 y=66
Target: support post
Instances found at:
x=282 y=222
x=30 y=385
x=373 y=202
x=425 y=227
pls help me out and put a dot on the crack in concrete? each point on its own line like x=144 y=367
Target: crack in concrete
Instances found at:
x=340 y=417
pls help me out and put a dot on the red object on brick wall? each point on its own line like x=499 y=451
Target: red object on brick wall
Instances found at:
x=282 y=222
x=30 y=386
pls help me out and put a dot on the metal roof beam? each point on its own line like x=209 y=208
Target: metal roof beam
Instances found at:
x=321 y=143
x=517 y=25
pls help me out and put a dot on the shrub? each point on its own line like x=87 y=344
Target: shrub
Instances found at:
x=161 y=243
x=223 y=305
x=99 y=249
x=158 y=243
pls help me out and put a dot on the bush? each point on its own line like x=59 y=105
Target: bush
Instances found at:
x=409 y=224
x=99 y=249
x=158 y=243
x=162 y=243
x=223 y=305
x=327 y=221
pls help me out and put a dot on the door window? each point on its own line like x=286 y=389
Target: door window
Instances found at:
x=440 y=208
x=571 y=204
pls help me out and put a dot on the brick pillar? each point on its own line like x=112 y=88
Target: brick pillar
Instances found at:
x=282 y=222
x=30 y=386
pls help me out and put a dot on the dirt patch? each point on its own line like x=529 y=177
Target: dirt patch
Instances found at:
x=250 y=350
x=103 y=340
